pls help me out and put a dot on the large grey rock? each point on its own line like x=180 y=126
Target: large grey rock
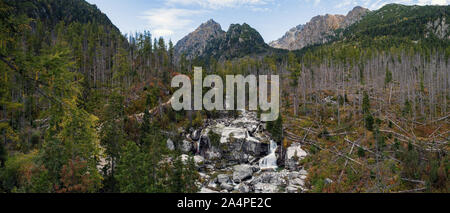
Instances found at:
x=303 y=172
x=170 y=145
x=195 y=135
x=223 y=178
x=243 y=188
x=294 y=153
x=227 y=186
x=206 y=190
x=186 y=147
x=266 y=188
x=274 y=178
x=292 y=189
x=204 y=145
x=297 y=181
x=184 y=158
x=242 y=172
x=198 y=159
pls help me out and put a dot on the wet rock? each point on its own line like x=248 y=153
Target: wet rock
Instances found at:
x=227 y=186
x=195 y=136
x=206 y=190
x=204 y=145
x=252 y=129
x=255 y=148
x=212 y=185
x=243 y=188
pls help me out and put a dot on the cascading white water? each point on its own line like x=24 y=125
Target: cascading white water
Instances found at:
x=270 y=161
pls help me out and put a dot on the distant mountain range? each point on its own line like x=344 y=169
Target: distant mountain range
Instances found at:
x=411 y=22
x=318 y=30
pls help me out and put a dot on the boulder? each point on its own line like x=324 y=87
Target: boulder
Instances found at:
x=170 y=145
x=265 y=188
x=297 y=182
x=184 y=158
x=227 y=186
x=243 y=188
x=223 y=178
x=242 y=172
x=294 y=153
x=252 y=129
x=274 y=178
x=303 y=172
x=292 y=189
x=195 y=135
x=255 y=148
x=206 y=190
x=198 y=159
x=204 y=145
x=186 y=147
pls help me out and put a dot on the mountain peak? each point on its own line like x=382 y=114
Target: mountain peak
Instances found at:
x=210 y=40
x=318 y=29
x=210 y=23
x=195 y=43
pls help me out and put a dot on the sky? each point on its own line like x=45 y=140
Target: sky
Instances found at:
x=173 y=19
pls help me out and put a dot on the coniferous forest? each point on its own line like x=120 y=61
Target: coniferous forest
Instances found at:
x=85 y=108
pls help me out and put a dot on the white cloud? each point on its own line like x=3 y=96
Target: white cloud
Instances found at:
x=260 y=9
x=166 y=21
x=345 y=3
x=315 y=2
x=217 y=4
x=176 y=16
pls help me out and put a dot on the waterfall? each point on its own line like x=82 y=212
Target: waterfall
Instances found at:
x=270 y=161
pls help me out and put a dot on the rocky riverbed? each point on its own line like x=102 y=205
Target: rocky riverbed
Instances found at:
x=245 y=159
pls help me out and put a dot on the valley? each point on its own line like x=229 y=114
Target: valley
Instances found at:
x=364 y=104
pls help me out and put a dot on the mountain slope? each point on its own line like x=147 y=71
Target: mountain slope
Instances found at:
x=239 y=41
x=318 y=30
x=288 y=38
x=209 y=40
x=195 y=43
x=412 y=22
x=52 y=12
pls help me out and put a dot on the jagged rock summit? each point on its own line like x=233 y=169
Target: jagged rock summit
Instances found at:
x=209 y=40
x=195 y=43
x=318 y=30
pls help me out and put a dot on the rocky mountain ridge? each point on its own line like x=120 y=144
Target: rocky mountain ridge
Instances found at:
x=209 y=40
x=318 y=30
x=195 y=43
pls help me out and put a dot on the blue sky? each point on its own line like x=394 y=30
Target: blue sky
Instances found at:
x=173 y=19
